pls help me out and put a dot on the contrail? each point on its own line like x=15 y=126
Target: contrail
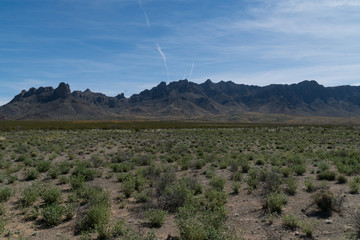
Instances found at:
x=157 y=45
x=192 y=67
x=146 y=16
x=164 y=58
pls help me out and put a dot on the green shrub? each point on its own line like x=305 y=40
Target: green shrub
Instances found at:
x=52 y=214
x=354 y=186
x=286 y=171
x=290 y=221
x=218 y=183
x=291 y=186
x=64 y=167
x=30 y=195
x=274 y=202
x=142 y=197
x=31 y=174
x=128 y=187
x=356 y=221
x=260 y=162
x=200 y=163
x=156 y=217
x=54 y=173
x=214 y=199
x=31 y=213
x=51 y=195
x=273 y=181
x=43 y=166
x=342 y=179
x=11 y=179
x=96 y=217
x=2 y=209
x=191 y=229
x=77 y=182
x=327 y=175
x=245 y=167
x=324 y=199
x=2 y=225
x=236 y=176
x=5 y=194
x=308 y=228
x=299 y=169
x=236 y=187
x=87 y=173
x=174 y=196
x=309 y=185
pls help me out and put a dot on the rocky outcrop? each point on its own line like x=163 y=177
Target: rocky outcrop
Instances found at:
x=184 y=99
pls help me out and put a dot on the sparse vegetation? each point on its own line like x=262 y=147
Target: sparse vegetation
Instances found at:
x=87 y=179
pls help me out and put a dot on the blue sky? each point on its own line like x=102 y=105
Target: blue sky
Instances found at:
x=114 y=46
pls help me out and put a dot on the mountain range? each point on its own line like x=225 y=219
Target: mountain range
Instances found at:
x=185 y=100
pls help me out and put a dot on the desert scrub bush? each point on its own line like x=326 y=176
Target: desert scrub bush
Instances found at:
x=31 y=174
x=273 y=181
x=53 y=173
x=11 y=179
x=354 y=185
x=30 y=195
x=143 y=196
x=214 y=199
x=299 y=169
x=156 y=217
x=43 y=165
x=97 y=216
x=253 y=179
x=2 y=209
x=326 y=175
x=89 y=194
x=51 y=195
x=309 y=185
x=245 y=167
x=5 y=194
x=87 y=173
x=192 y=184
x=195 y=222
x=274 y=202
x=290 y=221
x=326 y=201
x=341 y=179
x=236 y=176
x=96 y=161
x=2 y=224
x=356 y=221
x=308 y=227
x=199 y=164
x=52 y=214
x=291 y=187
x=286 y=171
x=77 y=182
x=235 y=186
x=174 y=196
x=64 y=167
x=121 y=167
x=166 y=179
x=31 y=213
x=128 y=187
x=217 y=183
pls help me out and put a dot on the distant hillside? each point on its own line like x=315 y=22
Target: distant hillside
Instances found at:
x=186 y=100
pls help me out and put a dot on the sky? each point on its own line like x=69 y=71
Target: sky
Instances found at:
x=126 y=46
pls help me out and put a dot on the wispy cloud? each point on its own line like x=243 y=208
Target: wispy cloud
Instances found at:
x=145 y=14
x=164 y=59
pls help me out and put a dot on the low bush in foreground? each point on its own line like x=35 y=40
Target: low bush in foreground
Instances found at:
x=156 y=217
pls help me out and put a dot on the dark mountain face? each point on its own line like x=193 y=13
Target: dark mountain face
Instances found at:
x=185 y=100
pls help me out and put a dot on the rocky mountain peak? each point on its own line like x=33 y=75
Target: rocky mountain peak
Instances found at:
x=63 y=90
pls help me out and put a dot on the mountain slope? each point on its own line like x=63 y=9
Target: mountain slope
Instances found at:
x=186 y=100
